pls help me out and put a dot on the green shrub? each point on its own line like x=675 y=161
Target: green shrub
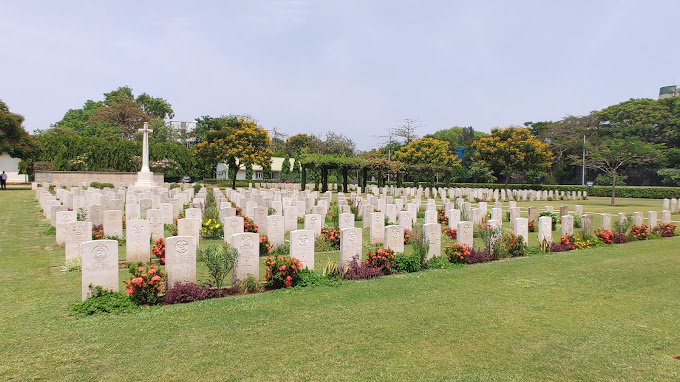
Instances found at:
x=72 y=265
x=311 y=279
x=438 y=262
x=552 y=215
x=219 y=260
x=101 y=185
x=406 y=263
x=250 y=285
x=104 y=301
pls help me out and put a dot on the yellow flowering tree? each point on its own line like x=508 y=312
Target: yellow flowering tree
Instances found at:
x=428 y=153
x=238 y=141
x=512 y=151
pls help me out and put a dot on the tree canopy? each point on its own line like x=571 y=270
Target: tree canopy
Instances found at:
x=14 y=139
x=512 y=151
x=118 y=114
x=237 y=141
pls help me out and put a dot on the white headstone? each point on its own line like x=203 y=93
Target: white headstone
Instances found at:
x=351 y=247
x=465 y=234
x=522 y=229
x=377 y=229
x=76 y=234
x=99 y=266
x=394 y=238
x=433 y=233
x=137 y=241
x=313 y=223
x=275 y=231
x=189 y=227
x=567 y=225
x=545 y=229
x=62 y=219
x=302 y=247
x=155 y=218
x=247 y=245
x=346 y=220
x=180 y=259
x=231 y=226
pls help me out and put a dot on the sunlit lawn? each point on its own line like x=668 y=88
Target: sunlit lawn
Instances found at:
x=609 y=313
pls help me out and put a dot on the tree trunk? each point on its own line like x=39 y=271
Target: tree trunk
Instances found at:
x=344 y=179
x=613 y=186
x=324 y=179
x=364 y=178
x=303 y=177
x=507 y=179
x=234 y=171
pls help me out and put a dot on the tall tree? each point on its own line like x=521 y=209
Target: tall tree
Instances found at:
x=14 y=139
x=511 y=151
x=407 y=130
x=238 y=141
x=612 y=155
x=155 y=107
x=126 y=114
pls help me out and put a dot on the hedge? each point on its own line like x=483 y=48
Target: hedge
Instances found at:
x=604 y=191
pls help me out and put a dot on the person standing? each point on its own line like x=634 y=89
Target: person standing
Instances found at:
x=3 y=181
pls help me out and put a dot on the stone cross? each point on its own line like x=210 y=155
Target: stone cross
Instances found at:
x=145 y=147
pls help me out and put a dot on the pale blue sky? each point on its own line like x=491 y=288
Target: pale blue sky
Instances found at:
x=353 y=67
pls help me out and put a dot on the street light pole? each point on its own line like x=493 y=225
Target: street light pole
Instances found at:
x=583 y=170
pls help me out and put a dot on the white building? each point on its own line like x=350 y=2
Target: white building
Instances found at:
x=277 y=164
x=11 y=167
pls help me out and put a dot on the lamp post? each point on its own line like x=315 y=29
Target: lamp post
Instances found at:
x=583 y=169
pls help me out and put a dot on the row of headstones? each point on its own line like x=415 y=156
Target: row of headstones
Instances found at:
x=670 y=204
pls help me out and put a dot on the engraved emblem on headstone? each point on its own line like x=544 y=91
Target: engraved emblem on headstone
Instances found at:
x=138 y=229
x=353 y=237
x=395 y=233
x=313 y=219
x=246 y=242
x=100 y=252
x=466 y=228
x=303 y=240
x=276 y=222
x=347 y=219
x=79 y=230
x=182 y=246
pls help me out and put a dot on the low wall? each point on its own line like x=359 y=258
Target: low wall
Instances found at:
x=76 y=178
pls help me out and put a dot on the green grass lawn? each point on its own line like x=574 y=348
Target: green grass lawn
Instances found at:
x=604 y=314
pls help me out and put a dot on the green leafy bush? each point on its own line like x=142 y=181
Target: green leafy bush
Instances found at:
x=437 y=262
x=104 y=301
x=219 y=260
x=101 y=185
x=250 y=285
x=552 y=215
x=406 y=263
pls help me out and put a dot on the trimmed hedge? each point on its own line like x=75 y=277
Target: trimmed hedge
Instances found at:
x=603 y=191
